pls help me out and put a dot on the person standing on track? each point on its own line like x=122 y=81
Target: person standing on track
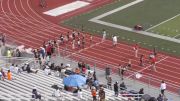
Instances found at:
x=141 y=60
x=78 y=43
x=83 y=42
x=73 y=44
x=104 y=35
x=136 y=48
x=114 y=38
x=91 y=39
x=153 y=62
x=43 y=3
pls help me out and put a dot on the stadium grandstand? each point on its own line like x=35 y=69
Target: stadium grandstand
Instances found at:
x=89 y=50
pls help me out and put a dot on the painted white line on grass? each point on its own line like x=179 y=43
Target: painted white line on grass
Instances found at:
x=117 y=9
x=66 y=8
x=97 y=20
x=132 y=30
x=162 y=22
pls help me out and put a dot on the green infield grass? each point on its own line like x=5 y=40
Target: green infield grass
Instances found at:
x=148 y=13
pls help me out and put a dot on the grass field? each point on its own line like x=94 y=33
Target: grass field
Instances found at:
x=148 y=13
x=168 y=28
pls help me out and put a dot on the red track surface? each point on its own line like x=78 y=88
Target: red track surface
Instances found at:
x=23 y=21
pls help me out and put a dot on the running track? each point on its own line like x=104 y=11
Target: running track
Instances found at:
x=23 y=24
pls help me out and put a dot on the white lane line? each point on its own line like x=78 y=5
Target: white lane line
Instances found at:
x=162 y=22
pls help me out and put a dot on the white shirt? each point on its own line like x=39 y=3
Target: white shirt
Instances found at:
x=57 y=93
x=163 y=86
x=11 y=68
x=80 y=94
x=47 y=71
x=16 y=69
x=115 y=38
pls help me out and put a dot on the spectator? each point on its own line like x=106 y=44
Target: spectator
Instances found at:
x=163 y=87
x=47 y=70
x=160 y=97
x=17 y=70
x=109 y=82
x=48 y=50
x=57 y=92
x=3 y=39
x=122 y=70
x=9 y=53
x=116 y=88
x=18 y=53
x=42 y=52
x=102 y=94
x=9 y=75
x=35 y=94
x=141 y=92
x=122 y=86
x=80 y=94
x=77 y=71
x=11 y=68
x=3 y=75
x=96 y=83
x=29 y=70
x=93 y=93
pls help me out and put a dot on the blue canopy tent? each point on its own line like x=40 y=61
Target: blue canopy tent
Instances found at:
x=74 y=81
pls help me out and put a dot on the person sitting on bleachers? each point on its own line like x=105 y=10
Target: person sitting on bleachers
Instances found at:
x=160 y=98
x=123 y=86
x=47 y=71
x=80 y=95
x=29 y=70
x=57 y=92
x=35 y=94
x=3 y=74
x=93 y=93
x=9 y=75
x=77 y=71
x=11 y=68
x=17 y=70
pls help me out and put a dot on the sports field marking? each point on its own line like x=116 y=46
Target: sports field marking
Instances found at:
x=117 y=9
x=147 y=67
x=84 y=49
x=163 y=22
x=66 y=8
x=97 y=20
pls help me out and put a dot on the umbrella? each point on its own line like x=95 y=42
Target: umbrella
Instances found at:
x=74 y=80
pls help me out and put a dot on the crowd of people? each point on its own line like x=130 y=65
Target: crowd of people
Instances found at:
x=77 y=39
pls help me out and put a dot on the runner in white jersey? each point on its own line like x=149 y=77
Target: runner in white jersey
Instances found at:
x=114 y=40
x=104 y=35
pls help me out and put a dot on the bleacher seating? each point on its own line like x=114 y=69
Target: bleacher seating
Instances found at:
x=20 y=89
